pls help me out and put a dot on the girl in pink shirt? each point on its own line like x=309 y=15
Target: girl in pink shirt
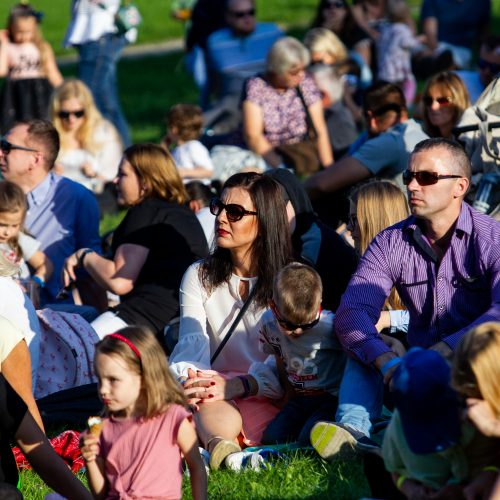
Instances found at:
x=137 y=453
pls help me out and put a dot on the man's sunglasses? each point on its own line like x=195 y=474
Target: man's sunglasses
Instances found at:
x=234 y=212
x=7 y=147
x=243 y=13
x=64 y=115
x=288 y=325
x=494 y=68
x=442 y=101
x=425 y=178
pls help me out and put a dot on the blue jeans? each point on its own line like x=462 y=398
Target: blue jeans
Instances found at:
x=361 y=396
x=295 y=421
x=97 y=68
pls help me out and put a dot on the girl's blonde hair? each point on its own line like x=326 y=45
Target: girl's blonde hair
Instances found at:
x=379 y=204
x=76 y=89
x=159 y=389
x=156 y=168
x=12 y=200
x=325 y=40
x=476 y=367
x=458 y=93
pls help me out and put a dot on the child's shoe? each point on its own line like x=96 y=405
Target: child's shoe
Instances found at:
x=331 y=440
x=244 y=460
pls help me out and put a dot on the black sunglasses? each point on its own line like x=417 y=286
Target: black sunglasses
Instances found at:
x=425 y=178
x=442 y=101
x=288 y=325
x=494 y=68
x=7 y=147
x=64 y=115
x=234 y=212
x=336 y=5
x=243 y=13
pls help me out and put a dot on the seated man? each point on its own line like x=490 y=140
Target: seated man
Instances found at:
x=234 y=53
x=382 y=152
x=62 y=214
x=444 y=261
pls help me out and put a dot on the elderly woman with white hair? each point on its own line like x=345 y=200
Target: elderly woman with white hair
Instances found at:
x=282 y=107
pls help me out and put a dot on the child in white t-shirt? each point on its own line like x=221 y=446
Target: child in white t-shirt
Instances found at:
x=185 y=125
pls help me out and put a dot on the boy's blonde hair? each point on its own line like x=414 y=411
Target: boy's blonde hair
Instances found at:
x=187 y=119
x=12 y=200
x=297 y=292
x=158 y=387
x=476 y=366
x=325 y=40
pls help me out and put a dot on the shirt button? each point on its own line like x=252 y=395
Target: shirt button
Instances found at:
x=441 y=308
x=440 y=279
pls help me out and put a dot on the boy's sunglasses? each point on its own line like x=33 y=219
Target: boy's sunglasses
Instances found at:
x=425 y=178
x=7 y=147
x=442 y=101
x=234 y=212
x=64 y=115
x=288 y=325
x=243 y=13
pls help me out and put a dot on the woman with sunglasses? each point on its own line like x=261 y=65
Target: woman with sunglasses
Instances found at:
x=152 y=247
x=444 y=100
x=90 y=145
x=227 y=384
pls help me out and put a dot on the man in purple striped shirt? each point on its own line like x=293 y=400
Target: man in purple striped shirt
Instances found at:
x=444 y=261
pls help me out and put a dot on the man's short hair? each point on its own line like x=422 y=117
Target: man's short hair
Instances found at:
x=298 y=291
x=460 y=162
x=43 y=135
x=382 y=97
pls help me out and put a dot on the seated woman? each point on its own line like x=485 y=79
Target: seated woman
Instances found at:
x=444 y=100
x=90 y=145
x=152 y=247
x=277 y=106
x=252 y=244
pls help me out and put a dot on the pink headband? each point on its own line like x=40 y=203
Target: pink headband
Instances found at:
x=127 y=341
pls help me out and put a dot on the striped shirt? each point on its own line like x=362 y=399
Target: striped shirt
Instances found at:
x=444 y=299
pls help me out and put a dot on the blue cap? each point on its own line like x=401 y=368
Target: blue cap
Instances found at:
x=428 y=406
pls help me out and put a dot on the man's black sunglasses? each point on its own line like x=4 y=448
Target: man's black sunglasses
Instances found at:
x=425 y=178
x=7 y=147
x=243 y=13
x=234 y=212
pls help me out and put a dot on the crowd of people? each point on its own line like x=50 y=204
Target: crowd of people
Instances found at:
x=298 y=259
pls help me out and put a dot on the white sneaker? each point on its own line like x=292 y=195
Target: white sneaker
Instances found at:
x=244 y=460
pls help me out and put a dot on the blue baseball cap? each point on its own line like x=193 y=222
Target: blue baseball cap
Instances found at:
x=428 y=406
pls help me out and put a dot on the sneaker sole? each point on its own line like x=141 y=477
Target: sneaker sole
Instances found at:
x=331 y=441
x=221 y=450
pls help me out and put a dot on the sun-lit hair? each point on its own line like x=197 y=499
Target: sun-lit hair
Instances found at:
x=42 y=136
x=453 y=87
x=325 y=40
x=272 y=248
x=286 y=53
x=379 y=204
x=156 y=168
x=91 y=121
x=13 y=200
x=476 y=367
x=25 y=10
x=158 y=386
x=187 y=119
x=298 y=291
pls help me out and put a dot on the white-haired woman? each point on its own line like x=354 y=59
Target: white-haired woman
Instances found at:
x=274 y=105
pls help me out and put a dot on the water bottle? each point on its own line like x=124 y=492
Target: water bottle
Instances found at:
x=485 y=192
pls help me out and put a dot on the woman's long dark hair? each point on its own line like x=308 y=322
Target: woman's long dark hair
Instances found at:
x=349 y=22
x=271 y=249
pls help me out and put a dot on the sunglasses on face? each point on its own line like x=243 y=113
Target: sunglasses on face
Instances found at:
x=442 y=101
x=234 y=212
x=288 y=325
x=64 y=115
x=243 y=13
x=425 y=178
x=334 y=5
x=494 y=68
x=7 y=147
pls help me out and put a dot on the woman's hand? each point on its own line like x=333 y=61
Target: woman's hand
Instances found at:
x=482 y=416
x=88 y=170
x=89 y=446
x=203 y=387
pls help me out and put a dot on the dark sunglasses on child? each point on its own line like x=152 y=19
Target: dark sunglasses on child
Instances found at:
x=64 y=115
x=7 y=147
x=234 y=212
x=243 y=13
x=425 y=178
x=442 y=101
x=288 y=325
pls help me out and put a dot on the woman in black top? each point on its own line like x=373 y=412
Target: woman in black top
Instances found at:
x=152 y=247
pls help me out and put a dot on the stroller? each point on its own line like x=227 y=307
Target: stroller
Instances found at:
x=479 y=132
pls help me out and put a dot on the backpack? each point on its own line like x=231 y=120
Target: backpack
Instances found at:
x=67 y=347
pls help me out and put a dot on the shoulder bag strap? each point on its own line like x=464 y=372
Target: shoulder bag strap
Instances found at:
x=234 y=324
x=313 y=133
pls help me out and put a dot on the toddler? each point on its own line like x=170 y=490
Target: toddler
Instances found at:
x=185 y=125
x=147 y=426
x=28 y=62
x=300 y=335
